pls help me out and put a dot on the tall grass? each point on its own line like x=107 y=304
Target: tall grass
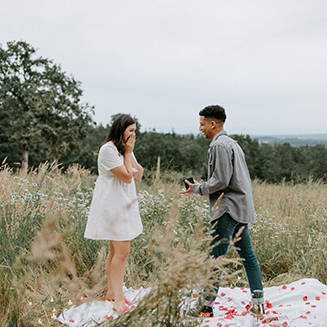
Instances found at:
x=45 y=263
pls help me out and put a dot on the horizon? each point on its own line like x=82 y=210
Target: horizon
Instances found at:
x=165 y=61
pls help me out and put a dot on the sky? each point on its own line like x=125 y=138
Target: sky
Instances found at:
x=162 y=61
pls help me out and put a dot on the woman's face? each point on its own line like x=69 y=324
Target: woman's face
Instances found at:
x=129 y=131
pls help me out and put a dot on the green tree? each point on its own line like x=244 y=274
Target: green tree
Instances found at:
x=40 y=105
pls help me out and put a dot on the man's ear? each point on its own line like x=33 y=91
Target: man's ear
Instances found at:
x=213 y=124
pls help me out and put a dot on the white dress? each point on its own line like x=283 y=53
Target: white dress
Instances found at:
x=114 y=212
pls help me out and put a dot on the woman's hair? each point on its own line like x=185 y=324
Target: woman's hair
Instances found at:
x=117 y=130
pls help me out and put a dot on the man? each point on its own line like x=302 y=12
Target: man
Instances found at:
x=228 y=182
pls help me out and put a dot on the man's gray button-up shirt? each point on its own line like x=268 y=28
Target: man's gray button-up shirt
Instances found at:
x=228 y=174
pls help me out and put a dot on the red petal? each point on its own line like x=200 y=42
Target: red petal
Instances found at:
x=222 y=294
x=305 y=298
x=317 y=298
x=108 y=317
x=284 y=287
x=303 y=283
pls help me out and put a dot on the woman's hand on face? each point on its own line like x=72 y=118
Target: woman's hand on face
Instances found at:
x=130 y=143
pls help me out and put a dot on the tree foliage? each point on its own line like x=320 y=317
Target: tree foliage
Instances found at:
x=41 y=114
x=40 y=106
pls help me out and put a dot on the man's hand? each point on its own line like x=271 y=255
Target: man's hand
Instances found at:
x=189 y=189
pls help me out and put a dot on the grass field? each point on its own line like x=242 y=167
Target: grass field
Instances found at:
x=45 y=263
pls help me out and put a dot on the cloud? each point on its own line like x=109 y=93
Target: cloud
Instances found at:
x=165 y=60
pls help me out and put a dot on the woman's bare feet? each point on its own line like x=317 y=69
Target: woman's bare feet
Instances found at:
x=120 y=307
x=109 y=297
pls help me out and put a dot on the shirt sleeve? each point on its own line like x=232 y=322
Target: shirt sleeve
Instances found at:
x=109 y=158
x=222 y=172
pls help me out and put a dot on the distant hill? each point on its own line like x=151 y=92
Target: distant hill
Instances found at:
x=293 y=139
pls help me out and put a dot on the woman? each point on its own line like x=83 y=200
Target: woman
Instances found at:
x=114 y=212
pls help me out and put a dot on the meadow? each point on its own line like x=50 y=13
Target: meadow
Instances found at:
x=46 y=264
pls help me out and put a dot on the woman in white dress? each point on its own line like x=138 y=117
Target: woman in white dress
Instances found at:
x=114 y=212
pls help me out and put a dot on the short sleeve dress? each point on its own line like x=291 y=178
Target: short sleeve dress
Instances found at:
x=114 y=211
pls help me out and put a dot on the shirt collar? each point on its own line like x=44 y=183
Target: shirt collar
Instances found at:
x=223 y=132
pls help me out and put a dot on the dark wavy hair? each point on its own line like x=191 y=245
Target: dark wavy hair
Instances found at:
x=216 y=112
x=117 y=130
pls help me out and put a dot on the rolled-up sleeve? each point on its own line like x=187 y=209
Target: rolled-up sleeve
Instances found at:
x=222 y=171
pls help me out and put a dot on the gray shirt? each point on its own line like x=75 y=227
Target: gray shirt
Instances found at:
x=229 y=184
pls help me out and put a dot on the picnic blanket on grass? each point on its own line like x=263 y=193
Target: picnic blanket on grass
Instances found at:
x=302 y=303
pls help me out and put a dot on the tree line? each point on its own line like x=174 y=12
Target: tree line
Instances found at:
x=43 y=119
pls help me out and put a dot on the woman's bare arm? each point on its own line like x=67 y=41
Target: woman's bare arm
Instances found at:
x=138 y=173
x=125 y=172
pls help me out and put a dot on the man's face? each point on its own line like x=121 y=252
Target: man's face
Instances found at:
x=206 y=127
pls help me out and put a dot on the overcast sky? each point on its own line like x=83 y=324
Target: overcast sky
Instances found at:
x=164 y=60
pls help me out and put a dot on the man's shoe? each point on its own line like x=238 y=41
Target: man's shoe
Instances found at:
x=257 y=310
x=206 y=312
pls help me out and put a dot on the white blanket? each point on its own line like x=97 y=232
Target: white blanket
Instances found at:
x=300 y=304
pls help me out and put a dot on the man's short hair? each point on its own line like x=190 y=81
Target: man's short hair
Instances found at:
x=215 y=112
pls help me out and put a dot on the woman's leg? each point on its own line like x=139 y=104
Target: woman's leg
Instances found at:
x=109 y=295
x=121 y=251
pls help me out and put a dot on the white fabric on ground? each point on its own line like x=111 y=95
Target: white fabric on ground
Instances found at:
x=299 y=304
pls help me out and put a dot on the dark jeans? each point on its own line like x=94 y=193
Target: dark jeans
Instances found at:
x=223 y=230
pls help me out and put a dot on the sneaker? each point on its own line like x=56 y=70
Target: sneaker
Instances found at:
x=257 y=310
x=206 y=312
